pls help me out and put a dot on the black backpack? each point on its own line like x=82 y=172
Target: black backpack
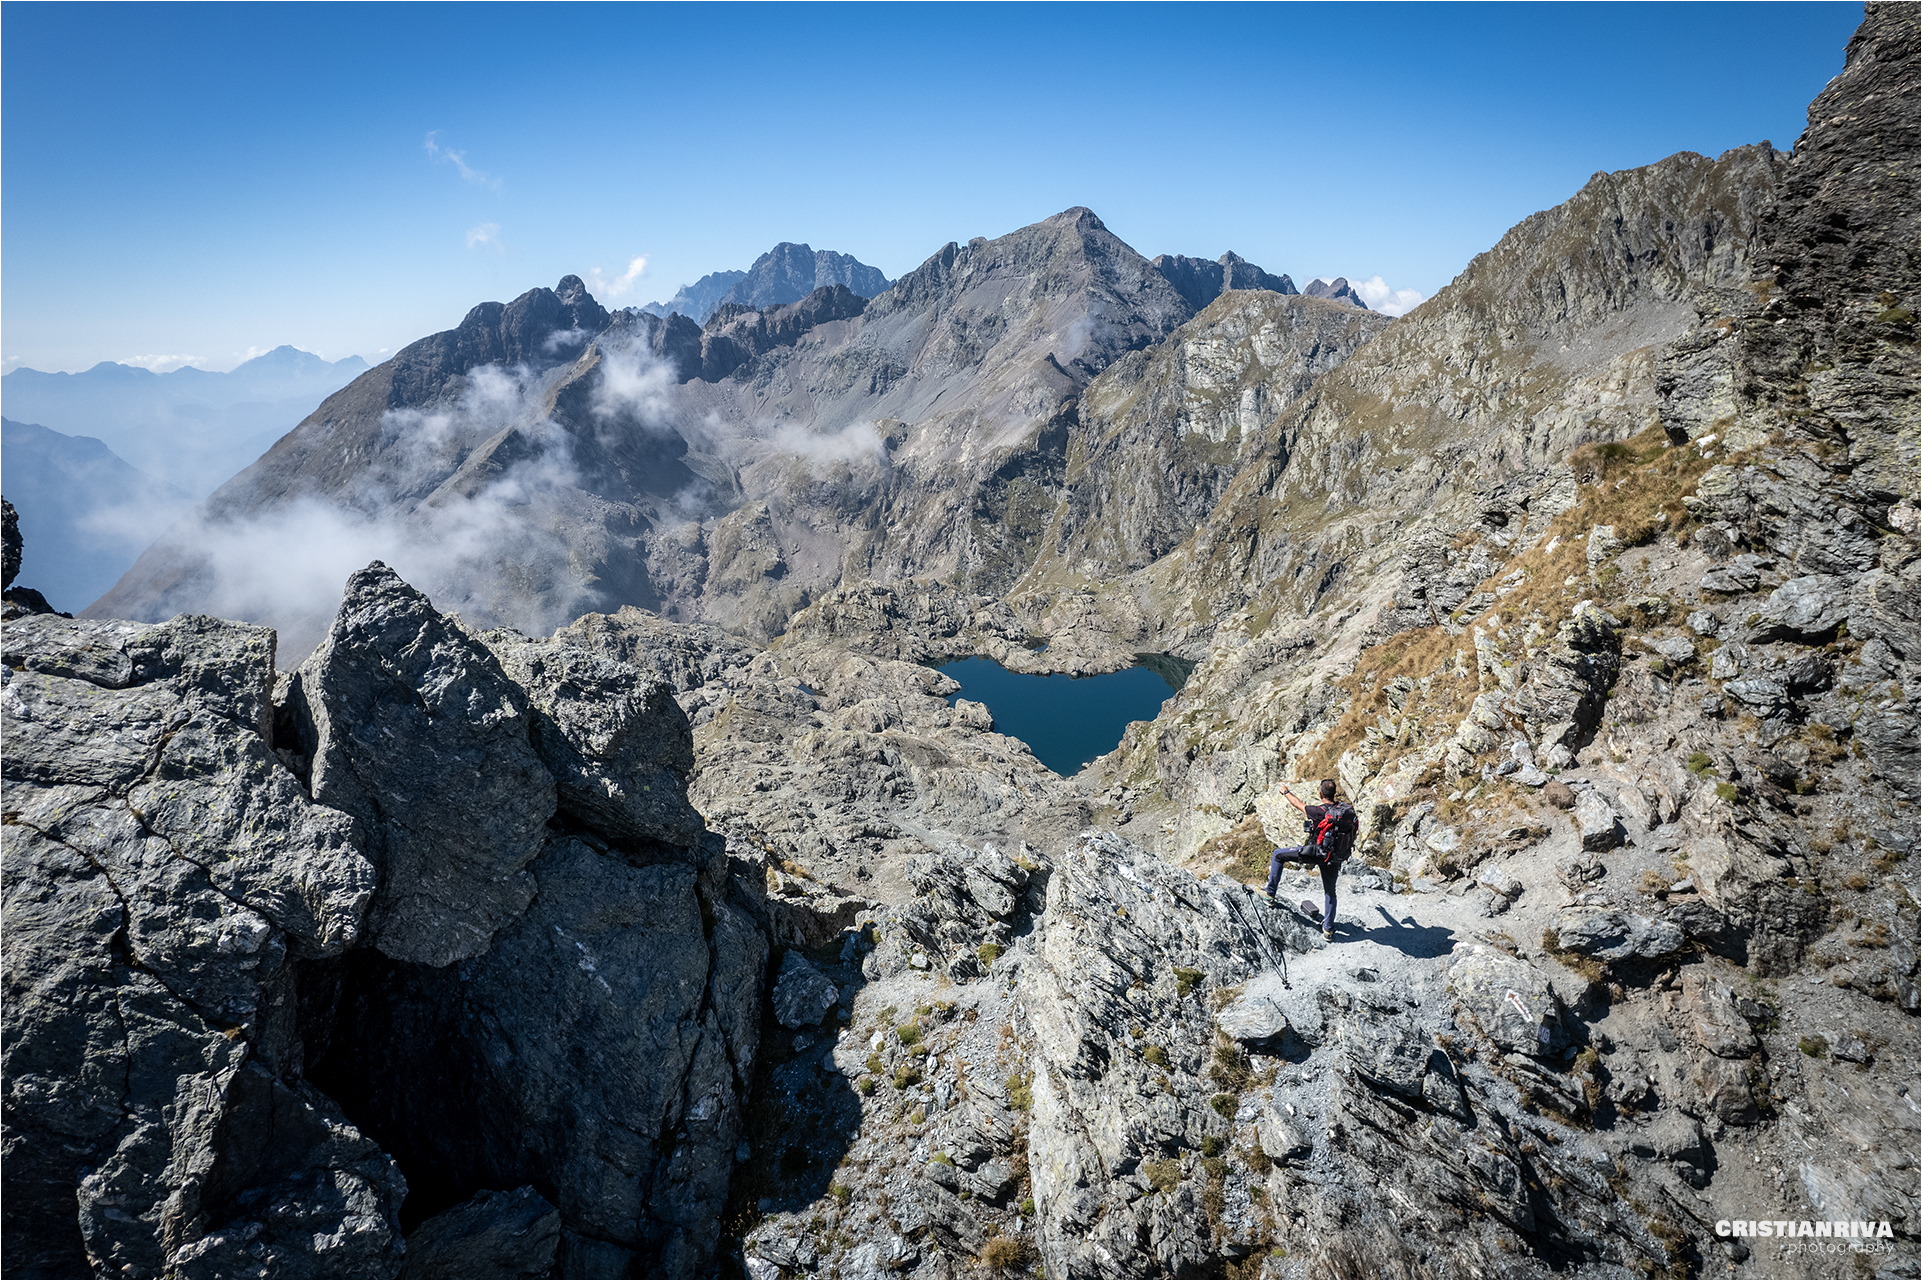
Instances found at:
x=1335 y=834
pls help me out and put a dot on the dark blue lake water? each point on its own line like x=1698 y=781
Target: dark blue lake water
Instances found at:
x=1067 y=721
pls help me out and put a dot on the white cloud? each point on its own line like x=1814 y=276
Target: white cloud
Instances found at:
x=601 y=287
x=473 y=549
x=634 y=384
x=488 y=233
x=854 y=444
x=167 y=364
x=478 y=177
x=1389 y=302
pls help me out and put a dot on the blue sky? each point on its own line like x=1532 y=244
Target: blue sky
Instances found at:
x=188 y=180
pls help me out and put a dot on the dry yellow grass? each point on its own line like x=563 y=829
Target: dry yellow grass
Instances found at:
x=1636 y=485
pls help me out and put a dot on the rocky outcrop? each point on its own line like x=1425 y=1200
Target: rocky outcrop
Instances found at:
x=1336 y=290
x=352 y=946
x=1201 y=281
x=9 y=544
x=167 y=878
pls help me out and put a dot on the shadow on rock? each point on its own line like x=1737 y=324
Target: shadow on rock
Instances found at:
x=1408 y=938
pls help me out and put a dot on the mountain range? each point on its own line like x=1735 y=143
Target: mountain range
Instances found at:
x=732 y=471
x=191 y=428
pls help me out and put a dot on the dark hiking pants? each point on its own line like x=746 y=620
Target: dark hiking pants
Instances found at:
x=1312 y=856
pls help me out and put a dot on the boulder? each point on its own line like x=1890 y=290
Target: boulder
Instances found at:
x=1595 y=820
x=1253 y=1019
x=802 y=994
x=1602 y=543
x=1511 y=1002
x=1281 y=1138
x=1609 y=935
x=1718 y=1024
x=1759 y=694
x=1806 y=609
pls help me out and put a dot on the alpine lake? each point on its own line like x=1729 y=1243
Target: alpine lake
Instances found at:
x=1065 y=720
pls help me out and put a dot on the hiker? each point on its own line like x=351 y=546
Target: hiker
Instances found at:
x=1332 y=827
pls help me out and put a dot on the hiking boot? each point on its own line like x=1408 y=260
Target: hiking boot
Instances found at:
x=1328 y=936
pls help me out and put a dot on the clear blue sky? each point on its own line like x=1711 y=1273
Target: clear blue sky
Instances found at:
x=204 y=179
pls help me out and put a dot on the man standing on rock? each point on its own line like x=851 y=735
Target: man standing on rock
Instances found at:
x=1332 y=827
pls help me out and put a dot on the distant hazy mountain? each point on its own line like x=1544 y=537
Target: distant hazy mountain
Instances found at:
x=786 y=273
x=191 y=428
x=697 y=300
x=85 y=514
x=1336 y=290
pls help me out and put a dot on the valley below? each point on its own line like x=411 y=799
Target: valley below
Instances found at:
x=609 y=881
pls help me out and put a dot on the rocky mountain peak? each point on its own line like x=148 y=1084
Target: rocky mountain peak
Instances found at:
x=1336 y=290
x=572 y=289
x=1201 y=282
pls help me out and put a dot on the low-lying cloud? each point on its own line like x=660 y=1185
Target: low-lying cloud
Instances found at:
x=1389 y=301
x=496 y=547
x=855 y=444
x=164 y=364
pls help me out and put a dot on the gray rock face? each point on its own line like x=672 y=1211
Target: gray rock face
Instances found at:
x=1201 y=282
x=419 y=734
x=164 y=874
x=1616 y=936
x=1806 y=609
x=504 y=1234
x=789 y=272
x=1336 y=290
x=208 y=975
x=616 y=742
x=802 y=994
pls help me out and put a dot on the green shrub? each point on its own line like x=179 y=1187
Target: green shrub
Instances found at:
x=1211 y=1145
x=842 y=1193
x=866 y=1085
x=1020 y=1096
x=1186 y=980
x=942 y=1158
x=1700 y=762
x=906 y=1076
x=1155 y=1055
x=989 y=954
x=1814 y=1046
x=1224 y=1105
x=908 y=1033
x=1727 y=791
